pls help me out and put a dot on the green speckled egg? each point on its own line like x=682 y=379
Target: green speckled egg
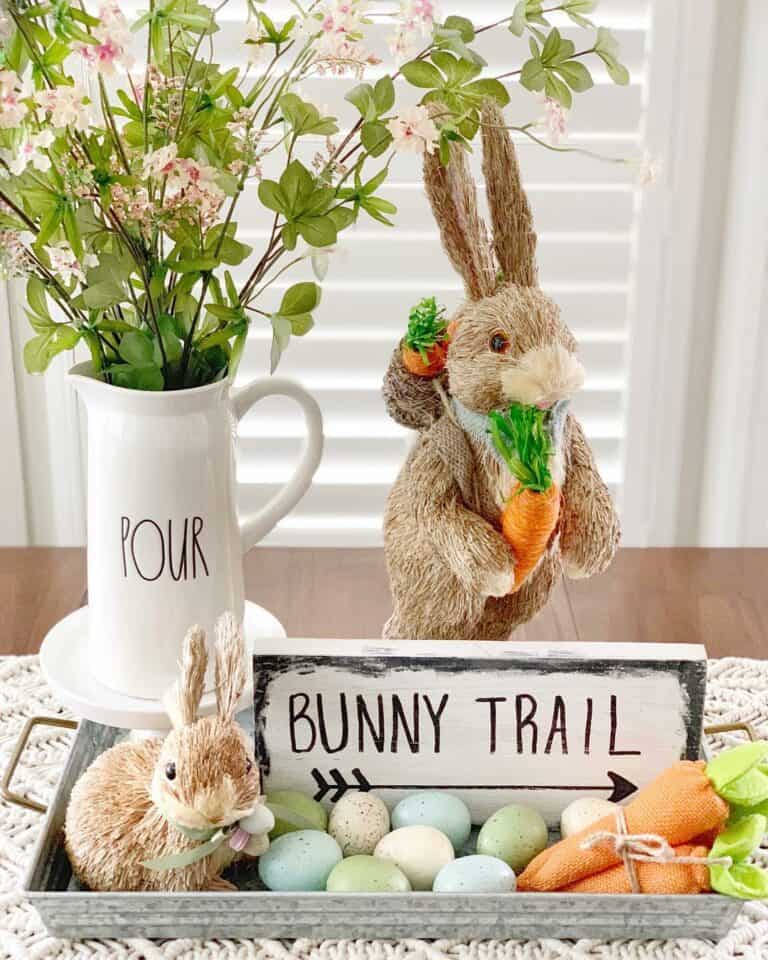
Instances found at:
x=295 y=811
x=300 y=860
x=433 y=808
x=514 y=834
x=364 y=874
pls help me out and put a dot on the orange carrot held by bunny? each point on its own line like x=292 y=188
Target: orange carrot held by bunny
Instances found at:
x=425 y=343
x=522 y=437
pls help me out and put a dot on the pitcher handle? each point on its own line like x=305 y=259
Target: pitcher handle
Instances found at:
x=256 y=526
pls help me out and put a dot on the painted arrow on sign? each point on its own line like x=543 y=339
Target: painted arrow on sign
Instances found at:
x=338 y=785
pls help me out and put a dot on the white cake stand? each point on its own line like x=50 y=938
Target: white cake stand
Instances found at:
x=64 y=663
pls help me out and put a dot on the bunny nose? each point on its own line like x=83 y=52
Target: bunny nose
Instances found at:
x=542 y=376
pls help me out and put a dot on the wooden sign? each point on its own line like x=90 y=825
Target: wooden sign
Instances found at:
x=494 y=723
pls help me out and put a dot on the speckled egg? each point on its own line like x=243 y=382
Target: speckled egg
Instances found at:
x=514 y=834
x=420 y=852
x=300 y=860
x=294 y=810
x=358 y=821
x=432 y=808
x=475 y=874
x=583 y=812
x=363 y=874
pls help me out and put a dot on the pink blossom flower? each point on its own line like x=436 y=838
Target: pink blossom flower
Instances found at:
x=113 y=37
x=67 y=106
x=12 y=109
x=555 y=120
x=413 y=130
x=15 y=259
x=161 y=163
x=65 y=264
x=648 y=170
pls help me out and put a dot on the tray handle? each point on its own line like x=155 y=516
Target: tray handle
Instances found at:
x=5 y=784
x=726 y=728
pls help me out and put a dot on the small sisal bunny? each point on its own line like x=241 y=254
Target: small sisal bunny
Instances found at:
x=450 y=568
x=172 y=814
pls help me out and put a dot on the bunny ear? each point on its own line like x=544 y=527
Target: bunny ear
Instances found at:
x=452 y=194
x=514 y=239
x=230 y=665
x=183 y=699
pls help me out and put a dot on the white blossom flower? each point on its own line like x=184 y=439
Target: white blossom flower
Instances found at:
x=413 y=130
x=30 y=153
x=65 y=264
x=415 y=21
x=66 y=105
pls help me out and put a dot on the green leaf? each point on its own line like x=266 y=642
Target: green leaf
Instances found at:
x=137 y=378
x=616 y=71
x=300 y=298
x=362 y=97
x=272 y=197
x=740 y=840
x=575 y=75
x=557 y=90
x=171 y=343
x=36 y=297
x=743 y=880
x=419 y=73
x=302 y=324
x=375 y=138
x=222 y=312
x=136 y=349
x=517 y=23
x=40 y=350
x=533 y=74
x=463 y=26
x=488 y=87
x=103 y=295
x=551 y=45
x=730 y=765
x=317 y=231
x=233 y=252
x=384 y=95
x=197 y=265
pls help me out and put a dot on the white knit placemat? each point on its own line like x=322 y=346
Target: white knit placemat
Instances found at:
x=737 y=691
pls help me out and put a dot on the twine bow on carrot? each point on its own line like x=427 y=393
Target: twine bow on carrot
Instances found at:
x=643 y=848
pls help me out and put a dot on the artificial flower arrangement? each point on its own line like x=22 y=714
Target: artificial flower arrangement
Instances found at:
x=122 y=180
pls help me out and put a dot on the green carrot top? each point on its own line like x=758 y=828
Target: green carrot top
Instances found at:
x=426 y=327
x=523 y=440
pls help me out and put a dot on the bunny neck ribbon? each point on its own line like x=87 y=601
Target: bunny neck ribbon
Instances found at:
x=475 y=425
x=210 y=841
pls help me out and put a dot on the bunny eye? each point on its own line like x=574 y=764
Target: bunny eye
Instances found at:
x=170 y=770
x=248 y=765
x=499 y=343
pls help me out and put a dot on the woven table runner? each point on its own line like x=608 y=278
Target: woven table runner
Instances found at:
x=737 y=691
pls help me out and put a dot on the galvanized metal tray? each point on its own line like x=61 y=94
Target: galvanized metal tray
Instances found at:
x=68 y=910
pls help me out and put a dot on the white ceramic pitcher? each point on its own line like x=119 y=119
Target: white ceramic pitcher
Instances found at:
x=165 y=543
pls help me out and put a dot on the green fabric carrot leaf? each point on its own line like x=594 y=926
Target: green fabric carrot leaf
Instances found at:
x=425 y=343
x=739 y=775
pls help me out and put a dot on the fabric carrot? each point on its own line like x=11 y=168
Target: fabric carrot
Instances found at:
x=425 y=344
x=522 y=438
x=685 y=803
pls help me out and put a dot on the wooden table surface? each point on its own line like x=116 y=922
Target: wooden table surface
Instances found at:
x=715 y=597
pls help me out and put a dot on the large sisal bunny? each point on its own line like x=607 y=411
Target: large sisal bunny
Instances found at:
x=172 y=814
x=450 y=568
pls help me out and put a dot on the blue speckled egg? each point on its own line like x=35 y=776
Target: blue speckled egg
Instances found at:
x=433 y=808
x=300 y=860
x=475 y=874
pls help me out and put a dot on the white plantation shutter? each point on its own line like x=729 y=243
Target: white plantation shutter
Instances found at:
x=585 y=215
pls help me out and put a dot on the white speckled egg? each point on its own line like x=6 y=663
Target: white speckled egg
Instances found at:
x=583 y=812
x=357 y=822
x=420 y=852
x=475 y=874
x=437 y=809
x=300 y=860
